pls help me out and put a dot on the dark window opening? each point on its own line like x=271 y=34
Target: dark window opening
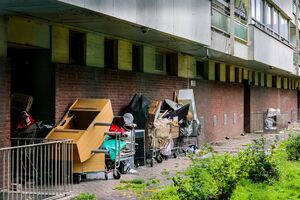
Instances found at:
x=274 y=81
x=111 y=54
x=253 y=78
x=266 y=80
x=159 y=61
x=172 y=64
x=259 y=79
x=236 y=74
x=76 y=48
x=137 y=58
x=217 y=71
x=200 y=69
x=282 y=83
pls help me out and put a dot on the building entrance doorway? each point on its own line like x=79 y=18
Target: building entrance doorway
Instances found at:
x=32 y=74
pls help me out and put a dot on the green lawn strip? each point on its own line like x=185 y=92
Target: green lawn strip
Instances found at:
x=288 y=186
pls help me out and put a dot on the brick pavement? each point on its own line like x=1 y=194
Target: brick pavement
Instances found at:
x=104 y=189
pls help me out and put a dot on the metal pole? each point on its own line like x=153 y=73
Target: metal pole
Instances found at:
x=232 y=27
x=297 y=35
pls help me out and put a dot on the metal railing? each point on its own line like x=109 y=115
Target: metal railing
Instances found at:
x=258 y=124
x=221 y=22
x=36 y=169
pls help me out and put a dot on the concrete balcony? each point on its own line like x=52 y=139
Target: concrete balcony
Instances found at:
x=269 y=50
x=188 y=19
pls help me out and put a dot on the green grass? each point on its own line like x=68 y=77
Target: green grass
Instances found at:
x=288 y=186
x=133 y=185
x=168 y=193
x=85 y=196
x=164 y=172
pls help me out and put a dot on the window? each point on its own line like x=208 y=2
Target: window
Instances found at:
x=284 y=27
x=172 y=64
x=268 y=18
x=253 y=8
x=200 y=69
x=265 y=14
x=159 y=61
x=111 y=54
x=275 y=22
x=259 y=11
x=76 y=48
x=137 y=58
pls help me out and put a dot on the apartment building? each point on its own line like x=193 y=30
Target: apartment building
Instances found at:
x=239 y=56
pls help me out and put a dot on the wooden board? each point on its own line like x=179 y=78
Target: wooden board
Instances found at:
x=79 y=124
x=95 y=164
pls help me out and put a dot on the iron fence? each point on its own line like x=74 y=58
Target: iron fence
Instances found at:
x=36 y=169
x=258 y=122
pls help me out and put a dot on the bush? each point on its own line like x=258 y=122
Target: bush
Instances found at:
x=293 y=147
x=85 y=196
x=257 y=165
x=210 y=178
x=218 y=176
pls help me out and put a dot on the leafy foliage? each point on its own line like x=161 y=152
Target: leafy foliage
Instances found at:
x=259 y=164
x=218 y=176
x=293 y=147
x=287 y=187
x=210 y=178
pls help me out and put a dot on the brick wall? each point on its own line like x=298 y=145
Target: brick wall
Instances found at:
x=211 y=97
x=4 y=103
x=220 y=99
x=264 y=98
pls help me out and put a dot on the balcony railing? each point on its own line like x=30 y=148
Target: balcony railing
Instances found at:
x=221 y=22
x=295 y=59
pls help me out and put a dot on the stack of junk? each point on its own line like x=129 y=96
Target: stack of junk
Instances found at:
x=170 y=127
x=147 y=130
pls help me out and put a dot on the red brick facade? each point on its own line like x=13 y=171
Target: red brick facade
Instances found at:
x=223 y=100
x=264 y=98
x=4 y=103
x=211 y=97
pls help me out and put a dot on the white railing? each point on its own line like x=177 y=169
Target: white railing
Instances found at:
x=36 y=169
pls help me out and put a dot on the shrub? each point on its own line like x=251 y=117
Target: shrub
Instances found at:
x=210 y=178
x=85 y=196
x=293 y=147
x=217 y=177
x=257 y=164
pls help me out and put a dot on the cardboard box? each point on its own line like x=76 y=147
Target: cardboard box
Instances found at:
x=21 y=102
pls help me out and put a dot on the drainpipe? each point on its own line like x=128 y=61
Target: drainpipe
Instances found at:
x=297 y=37
x=232 y=27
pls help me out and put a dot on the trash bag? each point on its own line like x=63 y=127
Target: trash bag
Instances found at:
x=138 y=107
x=110 y=145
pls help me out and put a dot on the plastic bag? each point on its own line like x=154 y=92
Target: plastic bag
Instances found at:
x=111 y=144
x=167 y=150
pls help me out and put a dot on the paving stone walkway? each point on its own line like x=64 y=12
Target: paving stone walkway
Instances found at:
x=104 y=189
